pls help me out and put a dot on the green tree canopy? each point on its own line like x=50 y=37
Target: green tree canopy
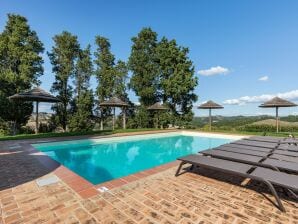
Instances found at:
x=143 y=64
x=20 y=67
x=111 y=76
x=83 y=101
x=177 y=78
x=63 y=58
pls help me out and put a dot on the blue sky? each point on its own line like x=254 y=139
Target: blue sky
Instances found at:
x=233 y=44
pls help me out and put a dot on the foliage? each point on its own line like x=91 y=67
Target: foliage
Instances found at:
x=177 y=79
x=63 y=56
x=83 y=102
x=111 y=76
x=143 y=64
x=81 y=120
x=140 y=119
x=4 y=127
x=20 y=67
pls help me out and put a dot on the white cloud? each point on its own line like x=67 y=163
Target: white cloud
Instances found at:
x=264 y=78
x=291 y=95
x=214 y=71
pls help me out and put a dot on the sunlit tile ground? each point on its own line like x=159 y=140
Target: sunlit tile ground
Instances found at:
x=158 y=198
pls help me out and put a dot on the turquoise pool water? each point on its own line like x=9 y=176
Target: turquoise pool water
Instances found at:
x=103 y=160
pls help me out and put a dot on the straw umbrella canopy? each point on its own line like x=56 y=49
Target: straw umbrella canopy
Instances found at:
x=38 y=95
x=277 y=102
x=210 y=105
x=157 y=107
x=115 y=102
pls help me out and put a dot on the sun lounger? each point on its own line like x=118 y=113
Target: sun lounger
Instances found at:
x=256 y=143
x=243 y=150
x=284 y=158
x=293 y=148
x=267 y=176
x=248 y=147
x=253 y=160
x=277 y=140
x=265 y=139
x=273 y=153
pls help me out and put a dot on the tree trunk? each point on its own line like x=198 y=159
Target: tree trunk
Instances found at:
x=36 y=119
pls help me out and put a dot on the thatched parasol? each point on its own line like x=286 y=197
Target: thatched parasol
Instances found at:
x=210 y=105
x=157 y=107
x=115 y=102
x=38 y=95
x=277 y=102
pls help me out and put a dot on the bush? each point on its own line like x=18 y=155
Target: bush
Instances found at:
x=4 y=128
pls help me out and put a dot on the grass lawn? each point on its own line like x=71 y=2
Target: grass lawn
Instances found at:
x=64 y=134
x=109 y=132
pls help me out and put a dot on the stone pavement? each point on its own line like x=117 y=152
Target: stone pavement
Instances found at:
x=206 y=197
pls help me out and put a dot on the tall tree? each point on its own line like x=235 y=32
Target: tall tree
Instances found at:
x=142 y=62
x=120 y=80
x=20 y=67
x=63 y=57
x=105 y=73
x=177 y=78
x=83 y=101
x=83 y=71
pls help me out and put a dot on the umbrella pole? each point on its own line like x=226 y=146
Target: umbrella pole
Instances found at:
x=124 y=119
x=276 y=119
x=36 y=119
x=114 y=119
x=209 y=119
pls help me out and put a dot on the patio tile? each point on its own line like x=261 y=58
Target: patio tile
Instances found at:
x=152 y=196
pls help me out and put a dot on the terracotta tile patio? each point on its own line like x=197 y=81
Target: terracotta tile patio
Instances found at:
x=206 y=197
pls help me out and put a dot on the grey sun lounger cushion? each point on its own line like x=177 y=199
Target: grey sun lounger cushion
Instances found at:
x=278 y=140
x=293 y=148
x=282 y=165
x=286 y=153
x=256 y=143
x=219 y=164
x=276 y=154
x=253 y=160
x=232 y=156
x=265 y=139
x=284 y=158
x=266 y=176
x=242 y=150
x=277 y=178
x=250 y=150
x=248 y=147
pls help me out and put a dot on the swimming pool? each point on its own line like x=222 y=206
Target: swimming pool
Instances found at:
x=100 y=160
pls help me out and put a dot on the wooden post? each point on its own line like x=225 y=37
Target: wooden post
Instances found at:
x=36 y=119
x=124 y=118
x=276 y=119
x=209 y=119
x=114 y=118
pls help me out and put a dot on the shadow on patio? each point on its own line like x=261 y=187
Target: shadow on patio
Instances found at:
x=18 y=167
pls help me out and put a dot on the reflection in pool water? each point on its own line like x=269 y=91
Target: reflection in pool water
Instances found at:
x=99 y=162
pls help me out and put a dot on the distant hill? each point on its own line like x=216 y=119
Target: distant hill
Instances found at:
x=247 y=123
x=232 y=121
x=272 y=122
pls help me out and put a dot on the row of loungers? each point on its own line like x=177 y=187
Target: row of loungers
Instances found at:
x=272 y=161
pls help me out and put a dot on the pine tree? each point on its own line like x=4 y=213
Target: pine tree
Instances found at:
x=20 y=67
x=63 y=58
